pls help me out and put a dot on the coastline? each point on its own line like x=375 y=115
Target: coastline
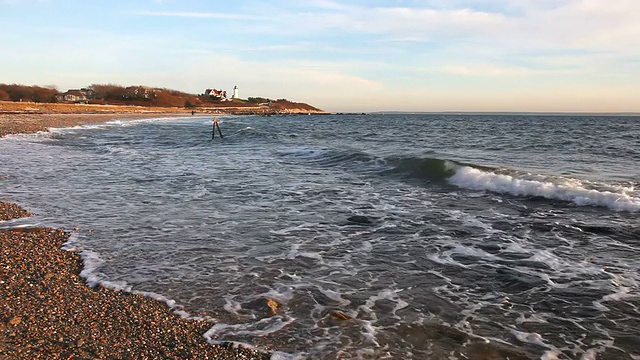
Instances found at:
x=49 y=312
x=28 y=123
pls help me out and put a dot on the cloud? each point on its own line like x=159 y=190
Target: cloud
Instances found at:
x=488 y=70
x=599 y=24
x=328 y=5
x=202 y=15
x=401 y=22
x=406 y=39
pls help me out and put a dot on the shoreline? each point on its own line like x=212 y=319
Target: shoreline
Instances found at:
x=50 y=312
x=29 y=123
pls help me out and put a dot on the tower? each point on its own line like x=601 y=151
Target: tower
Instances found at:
x=235 y=93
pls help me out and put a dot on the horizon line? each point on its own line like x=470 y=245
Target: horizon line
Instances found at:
x=499 y=112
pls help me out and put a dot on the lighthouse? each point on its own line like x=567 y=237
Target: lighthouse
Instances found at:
x=235 y=93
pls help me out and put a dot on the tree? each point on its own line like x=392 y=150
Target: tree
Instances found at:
x=108 y=91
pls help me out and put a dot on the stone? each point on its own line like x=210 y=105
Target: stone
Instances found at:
x=339 y=315
x=15 y=321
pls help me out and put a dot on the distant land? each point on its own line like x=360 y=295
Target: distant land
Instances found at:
x=507 y=113
x=144 y=98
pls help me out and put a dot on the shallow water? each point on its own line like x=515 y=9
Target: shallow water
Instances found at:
x=474 y=235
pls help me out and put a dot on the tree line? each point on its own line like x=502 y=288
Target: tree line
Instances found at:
x=120 y=95
x=102 y=94
x=15 y=92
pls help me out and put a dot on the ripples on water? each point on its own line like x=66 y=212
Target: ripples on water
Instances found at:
x=435 y=236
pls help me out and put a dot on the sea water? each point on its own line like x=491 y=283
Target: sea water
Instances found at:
x=378 y=236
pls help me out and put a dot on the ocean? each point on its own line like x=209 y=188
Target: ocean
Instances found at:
x=403 y=236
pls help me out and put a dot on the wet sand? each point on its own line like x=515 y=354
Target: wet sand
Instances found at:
x=47 y=311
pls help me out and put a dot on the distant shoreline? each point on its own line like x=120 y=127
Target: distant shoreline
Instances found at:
x=275 y=108
x=505 y=113
x=29 y=117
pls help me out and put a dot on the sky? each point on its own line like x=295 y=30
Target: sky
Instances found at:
x=357 y=55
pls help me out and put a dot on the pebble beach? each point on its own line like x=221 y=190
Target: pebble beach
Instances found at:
x=47 y=311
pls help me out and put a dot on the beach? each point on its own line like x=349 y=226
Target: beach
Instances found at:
x=28 y=123
x=49 y=312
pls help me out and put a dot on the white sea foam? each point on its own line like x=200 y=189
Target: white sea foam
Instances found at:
x=531 y=338
x=386 y=294
x=278 y=355
x=16 y=224
x=626 y=289
x=369 y=332
x=470 y=220
x=282 y=294
x=231 y=305
x=573 y=191
x=39 y=136
x=551 y=355
x=335 y=296
x=260 y=328
x=92 y=262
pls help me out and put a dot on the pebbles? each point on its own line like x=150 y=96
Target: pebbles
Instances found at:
x=48 y=312
x=10 y=211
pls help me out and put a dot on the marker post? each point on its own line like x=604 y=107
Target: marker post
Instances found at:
x=213 y=131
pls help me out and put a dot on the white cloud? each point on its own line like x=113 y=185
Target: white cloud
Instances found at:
x=583 y=24
x=202 y=15
x=328 y=5
x=489 y=70
x=400 y=22
x=406 y=39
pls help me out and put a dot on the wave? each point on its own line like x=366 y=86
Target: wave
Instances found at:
x=334 y=158
x=422 y=168
x=506 y=181
x=478 y=177
x=564 y=189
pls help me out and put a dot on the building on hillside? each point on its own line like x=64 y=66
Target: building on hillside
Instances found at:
x=235 y=93
x=216 y=94
x=74 y=96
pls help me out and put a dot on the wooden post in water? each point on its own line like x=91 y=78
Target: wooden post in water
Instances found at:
x=213 y=131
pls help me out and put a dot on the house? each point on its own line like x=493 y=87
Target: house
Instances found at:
x=216 y=94
x=74 y=96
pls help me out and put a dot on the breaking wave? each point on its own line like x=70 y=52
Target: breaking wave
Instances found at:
x=572 y=190
x=478 y=177
x=505 y=181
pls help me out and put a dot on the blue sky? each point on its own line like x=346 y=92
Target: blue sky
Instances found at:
x=414 y=55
